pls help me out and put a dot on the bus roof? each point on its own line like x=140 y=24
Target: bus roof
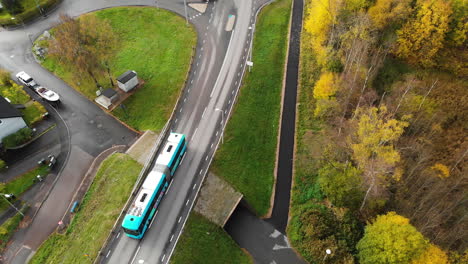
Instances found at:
x=173 y=141
x=151 y=183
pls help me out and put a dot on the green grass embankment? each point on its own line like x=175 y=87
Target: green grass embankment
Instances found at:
x=158 y=46
x=98 y=212
x=204 y=242
x=21 y=184
x=247 y=157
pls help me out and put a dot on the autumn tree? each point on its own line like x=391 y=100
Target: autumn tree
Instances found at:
x=391 y=239
x=373 y=148
x=320 y=22
x=87 y=43
x=432 y=255
x=324 y=92
x=422 y=37
x=389 y=12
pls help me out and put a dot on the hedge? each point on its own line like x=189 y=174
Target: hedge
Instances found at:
x=18 y=138
x=29 y=14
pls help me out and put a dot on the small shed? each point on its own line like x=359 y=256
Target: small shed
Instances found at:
x=107 y=98
x=127 y=81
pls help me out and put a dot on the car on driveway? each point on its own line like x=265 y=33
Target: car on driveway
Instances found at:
x=25 y=79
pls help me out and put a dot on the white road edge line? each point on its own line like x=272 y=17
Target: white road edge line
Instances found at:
x=136 y=253
x=203 y=113
x=168 y=188
x=194 y=133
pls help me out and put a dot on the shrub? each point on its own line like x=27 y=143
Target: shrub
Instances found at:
x=28 y=13
x=2 y=164
x=18 y=138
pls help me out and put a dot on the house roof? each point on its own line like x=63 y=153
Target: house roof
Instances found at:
x=127 y=76
x=7 y=110
x=109 y=92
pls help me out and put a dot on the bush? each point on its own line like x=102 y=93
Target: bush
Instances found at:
x=2 y=164
x=18 y=138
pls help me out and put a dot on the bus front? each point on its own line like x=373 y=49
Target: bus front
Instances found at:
x=132 y=226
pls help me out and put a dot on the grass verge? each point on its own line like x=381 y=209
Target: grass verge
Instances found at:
x=21 y=183
x=160 y=52
x=99 y=210
x=8 y=228
x=205 y=242
x=247 y=157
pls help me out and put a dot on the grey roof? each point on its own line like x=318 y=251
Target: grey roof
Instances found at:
x=109 y=92
x=7 y=110
x=126 y=76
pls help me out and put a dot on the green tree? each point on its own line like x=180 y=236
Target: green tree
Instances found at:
x=373 y=147
x=12 y=6
x=341 y=183
x=391 y=239
x=421 y=38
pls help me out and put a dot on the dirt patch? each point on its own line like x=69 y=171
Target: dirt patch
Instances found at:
x=140 y=151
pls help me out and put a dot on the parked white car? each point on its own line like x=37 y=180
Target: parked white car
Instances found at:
x=26 y=79
x=47 y=94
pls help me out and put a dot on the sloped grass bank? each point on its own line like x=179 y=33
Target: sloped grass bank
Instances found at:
x=204 y=242
x=247 y=157
x=158 y=46
x=99 y=210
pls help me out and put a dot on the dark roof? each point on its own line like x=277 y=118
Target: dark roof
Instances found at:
x=7 y=110
x=109 y=92
x=126 y=76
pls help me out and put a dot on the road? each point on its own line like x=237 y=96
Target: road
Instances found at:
x=83 y=129
x=207 y=101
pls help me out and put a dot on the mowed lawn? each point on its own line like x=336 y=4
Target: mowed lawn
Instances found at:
x=96 y=216
x=247 y=157
x=158 y=46
x=203 y=242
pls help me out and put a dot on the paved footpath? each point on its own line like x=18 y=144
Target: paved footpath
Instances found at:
x=265 y=239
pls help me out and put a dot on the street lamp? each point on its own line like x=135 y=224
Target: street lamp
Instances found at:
x=328 y=252
x=6 y=196
x=185 y=7
x=222 y=121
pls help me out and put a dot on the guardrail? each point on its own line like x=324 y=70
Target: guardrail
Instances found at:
x=146 y=167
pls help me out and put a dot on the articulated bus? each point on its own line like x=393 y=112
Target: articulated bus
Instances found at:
x=151 y=192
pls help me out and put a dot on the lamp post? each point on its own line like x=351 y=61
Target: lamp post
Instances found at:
x=185 y=7
x=328 y=252
x=6 y=196
x=39 y=8
x=222 y=121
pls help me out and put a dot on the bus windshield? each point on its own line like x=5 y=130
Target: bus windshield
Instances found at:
x=131 y=232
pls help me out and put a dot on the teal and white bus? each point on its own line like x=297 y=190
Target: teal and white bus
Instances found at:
x=151 y=192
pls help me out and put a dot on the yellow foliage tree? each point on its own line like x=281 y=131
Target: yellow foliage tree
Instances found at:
x=387 y=12
x=442 y=170
x=433 y=255
x=421 y=38
x=319 y=22
x=373 y=145
x=324 y=91
x=326 y=86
